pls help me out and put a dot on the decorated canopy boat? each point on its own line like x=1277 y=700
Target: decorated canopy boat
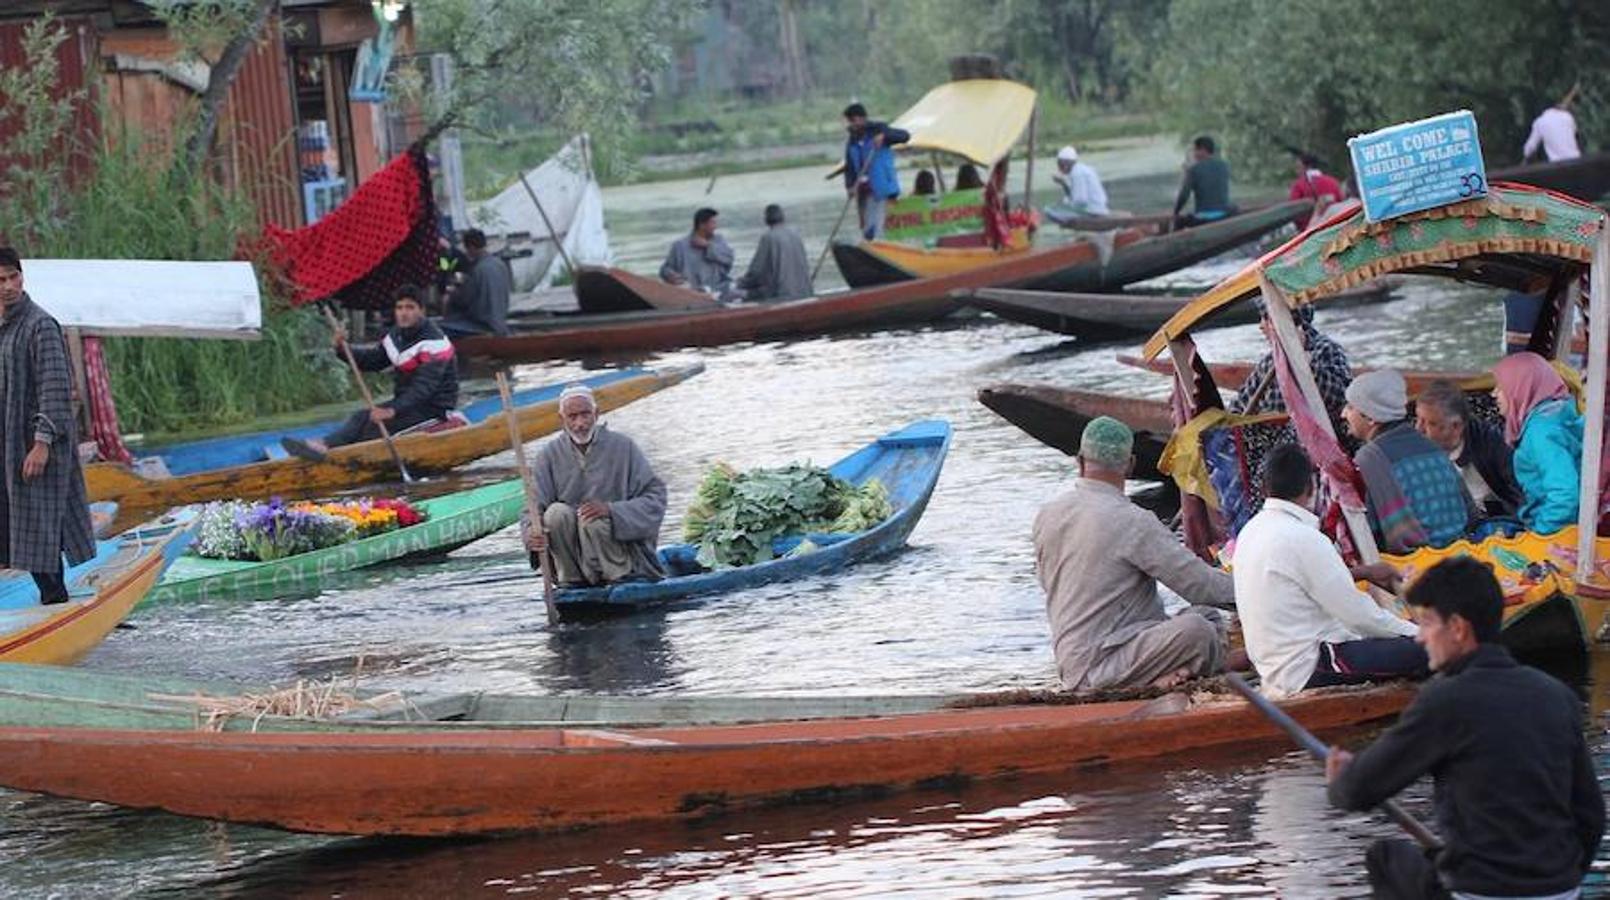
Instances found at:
x=1514 y=237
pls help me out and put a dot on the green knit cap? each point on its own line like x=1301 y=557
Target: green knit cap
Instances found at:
x=1107 y=442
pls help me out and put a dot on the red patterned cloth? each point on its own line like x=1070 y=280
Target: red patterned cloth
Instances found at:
x=383 y=236
x=102 y=411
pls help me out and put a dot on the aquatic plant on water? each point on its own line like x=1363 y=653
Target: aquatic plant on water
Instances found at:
x=736 y=516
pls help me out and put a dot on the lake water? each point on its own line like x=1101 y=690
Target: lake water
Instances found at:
x=959 y=610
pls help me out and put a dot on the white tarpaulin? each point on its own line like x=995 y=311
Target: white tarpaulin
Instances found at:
x=148 y=298
x=575 y=207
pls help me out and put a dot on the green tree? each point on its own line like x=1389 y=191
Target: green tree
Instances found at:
x=1266 y=74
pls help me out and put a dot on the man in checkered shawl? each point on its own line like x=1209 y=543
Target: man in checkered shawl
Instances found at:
x=43 y=511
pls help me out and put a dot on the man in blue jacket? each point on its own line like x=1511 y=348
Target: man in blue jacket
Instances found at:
x=869 y=167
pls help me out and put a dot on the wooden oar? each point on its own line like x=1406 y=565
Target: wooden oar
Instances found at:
x=529 y=479
x=363 y=386
x=1317 y=749
x=843 y=211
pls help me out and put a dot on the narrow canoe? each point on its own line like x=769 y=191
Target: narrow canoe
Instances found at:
x=1135 y=257
x=1586 y=178
x=605 y=290
x=892 y=261
x=454 y=520
x=907 y=462
x=474 y=781
x=907 y=303
x=103 y=590
x=254 y=465
x=1104 y=317
x=1151 y=224
x=1057 y=416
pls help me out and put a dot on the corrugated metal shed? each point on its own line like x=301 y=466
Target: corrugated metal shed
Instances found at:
x=262 y=133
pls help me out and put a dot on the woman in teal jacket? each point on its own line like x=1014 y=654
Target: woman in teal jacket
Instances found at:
x=1542 y=424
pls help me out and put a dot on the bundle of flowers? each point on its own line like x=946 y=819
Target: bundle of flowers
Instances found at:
x=232 y=529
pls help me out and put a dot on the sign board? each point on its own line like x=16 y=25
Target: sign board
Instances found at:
x=148 y=298
x=1418 y=165
x=927 y=218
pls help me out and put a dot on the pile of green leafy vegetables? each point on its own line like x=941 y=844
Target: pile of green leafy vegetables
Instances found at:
x=736 y=515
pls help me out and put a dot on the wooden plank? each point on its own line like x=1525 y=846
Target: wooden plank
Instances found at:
x=1593 y=431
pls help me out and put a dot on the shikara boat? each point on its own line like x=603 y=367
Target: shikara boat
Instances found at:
x=907 y=462
x=1516 y=237
x=1106 y=317
x=453 y=521
x=254 y=465
x=904 y=304
x=1585 y=178
x=627 y=759
x=971 y=120
x=1233 y=375
x=103 y=591
x=1136 y=257
x=1057 y=416
x=604 y=290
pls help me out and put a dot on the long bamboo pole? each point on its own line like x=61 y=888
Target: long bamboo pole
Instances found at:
x=529 y=479
x=363 y=387
x=854 y=189
x=552 y=233
x=1028 y=172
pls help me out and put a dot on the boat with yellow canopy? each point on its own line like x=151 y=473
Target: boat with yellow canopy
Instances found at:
x=975 y=120
x=1516 y=238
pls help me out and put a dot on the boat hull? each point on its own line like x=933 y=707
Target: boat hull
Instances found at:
x=121 y=575
x=1105 y=317
x=1587 y=178
x=454 y=520
x=907 y=462
x=885 y=262
x=1056 y=417
x=432 y=783
x=604 y=290
x=356 y=464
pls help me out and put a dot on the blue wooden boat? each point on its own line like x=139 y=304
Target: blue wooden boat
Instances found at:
x=906 y=461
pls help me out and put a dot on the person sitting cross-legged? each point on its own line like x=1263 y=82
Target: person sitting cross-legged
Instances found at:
x=601 y=502
x=1305 y=623
x=1099 y=558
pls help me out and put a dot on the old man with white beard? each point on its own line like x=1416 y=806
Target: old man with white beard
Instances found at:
x=601 y=502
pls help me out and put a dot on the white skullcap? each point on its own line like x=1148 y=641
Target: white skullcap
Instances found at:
x=1068 y=154
x=578 y=390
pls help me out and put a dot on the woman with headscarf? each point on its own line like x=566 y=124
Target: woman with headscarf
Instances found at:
x=1542 y=424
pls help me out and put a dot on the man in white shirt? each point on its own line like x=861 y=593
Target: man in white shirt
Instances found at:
x=1555 y=132
x=1305 y=623
x=1082 y=193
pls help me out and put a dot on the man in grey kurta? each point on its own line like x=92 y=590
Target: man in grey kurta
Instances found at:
x=780 y=270
x=43 y=511
x=701 y=260
x=1100 y=557
x=601 y=502
x=479 y=305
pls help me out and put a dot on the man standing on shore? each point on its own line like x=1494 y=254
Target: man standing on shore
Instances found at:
x=869 y=174
x=43 y=510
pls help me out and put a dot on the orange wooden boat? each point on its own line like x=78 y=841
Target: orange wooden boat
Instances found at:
x=456 y=782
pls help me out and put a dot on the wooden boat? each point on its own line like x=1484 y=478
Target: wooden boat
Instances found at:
x=103 y=591
x=882 y=262
x=454 y=520
x=1517 y=237
x=907 y=303
x=1585 y=178
x=254 y=465
x=604 y=290
x=1102 y=317
x=421 y=778
x=907 y=462
x=1057 y=417
x=1135 y=257
x=1233 y=375
x=1150 y=224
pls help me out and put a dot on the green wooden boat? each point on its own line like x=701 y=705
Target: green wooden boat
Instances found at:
x=454 y=520
x=56 y=697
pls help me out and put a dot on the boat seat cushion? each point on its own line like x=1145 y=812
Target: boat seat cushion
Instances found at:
x=453 y=419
